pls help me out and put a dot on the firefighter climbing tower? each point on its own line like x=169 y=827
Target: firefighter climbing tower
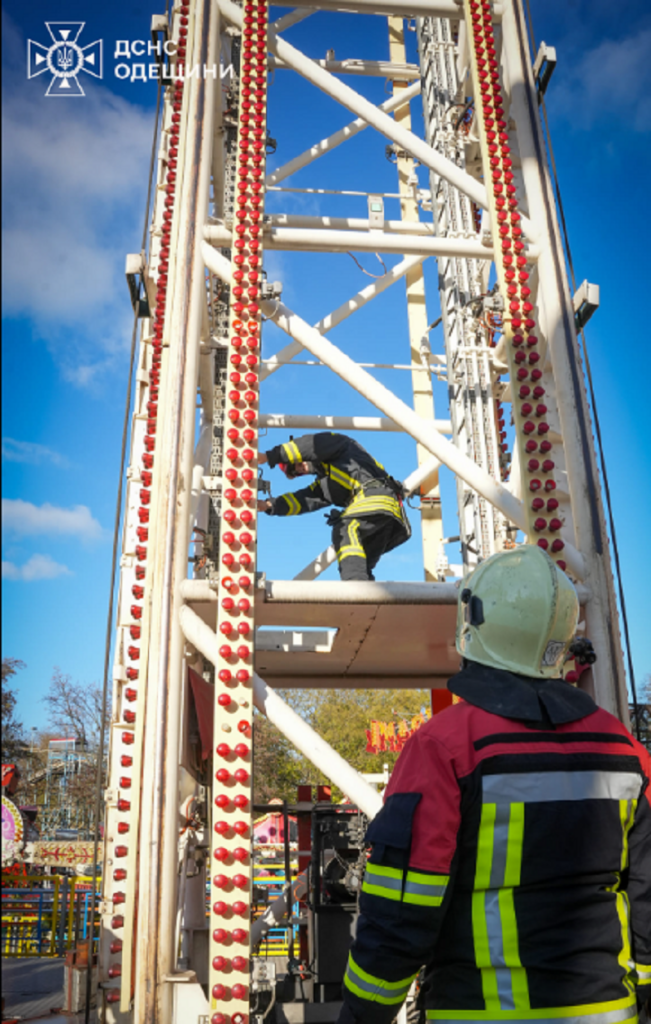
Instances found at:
x=521 y=449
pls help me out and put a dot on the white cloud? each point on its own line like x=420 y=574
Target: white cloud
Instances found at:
x=21 y=517
x=607 y=80
x=75 y=180
x=38 y=567
x=27 y=451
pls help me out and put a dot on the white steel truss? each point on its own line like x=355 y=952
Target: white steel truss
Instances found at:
x=511 y=358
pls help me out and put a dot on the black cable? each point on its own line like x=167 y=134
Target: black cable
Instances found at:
x=593 y=401
x=114 y=559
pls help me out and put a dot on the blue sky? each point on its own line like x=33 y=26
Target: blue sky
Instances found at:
x=75 y=175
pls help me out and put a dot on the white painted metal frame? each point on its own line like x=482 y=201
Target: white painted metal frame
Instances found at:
x=171 y=634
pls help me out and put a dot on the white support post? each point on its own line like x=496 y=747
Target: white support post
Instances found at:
x=421 y=476
x=318 y=565
x=292 y=18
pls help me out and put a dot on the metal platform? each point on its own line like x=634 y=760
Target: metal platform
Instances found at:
x=326 y=634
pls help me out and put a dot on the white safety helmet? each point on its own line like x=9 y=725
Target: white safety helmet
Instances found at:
x=517 y=611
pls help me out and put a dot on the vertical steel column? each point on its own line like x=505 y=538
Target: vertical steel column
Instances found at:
x=463 y=283
x=421 y=375
x=579 y=481
x=188 y=323
x=231 y=845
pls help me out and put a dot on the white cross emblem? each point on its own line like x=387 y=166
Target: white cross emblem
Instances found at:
x=64 y=59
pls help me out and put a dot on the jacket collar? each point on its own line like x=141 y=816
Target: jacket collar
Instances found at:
x=543 y=703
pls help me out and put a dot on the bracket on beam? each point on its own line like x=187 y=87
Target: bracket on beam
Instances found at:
x=136 y=270
x=543 y=68
x=585 y=303
x=160 y=37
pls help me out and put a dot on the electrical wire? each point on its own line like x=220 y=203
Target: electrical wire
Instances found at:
x=593 y=401
x=114 y=561
x=368 y=272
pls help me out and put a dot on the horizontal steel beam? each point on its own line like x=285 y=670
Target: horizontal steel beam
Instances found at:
x=324 y=240
x=353 y=66
x=272 y=421
x=403 y=8
x=300 y=220
x=352 y=592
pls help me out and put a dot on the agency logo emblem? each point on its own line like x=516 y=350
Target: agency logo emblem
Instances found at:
x=64 y=59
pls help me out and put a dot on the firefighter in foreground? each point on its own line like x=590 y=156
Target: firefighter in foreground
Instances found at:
x=373 y=520
x=512 y=856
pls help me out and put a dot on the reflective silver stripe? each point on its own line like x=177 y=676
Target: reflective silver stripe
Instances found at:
x=379 y=879
x=424 y=889
x=500 y=844
x=367 y=986
x=643 y=973
x=503 y=975
x=542 y=787
x=567 y=1015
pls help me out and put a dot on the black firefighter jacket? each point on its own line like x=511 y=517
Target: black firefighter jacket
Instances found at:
x=346 y=476
x=512 y=858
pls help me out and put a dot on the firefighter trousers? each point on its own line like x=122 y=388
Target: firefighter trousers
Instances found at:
x=360 y=543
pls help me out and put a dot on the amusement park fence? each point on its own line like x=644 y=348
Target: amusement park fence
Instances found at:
x=46 y=917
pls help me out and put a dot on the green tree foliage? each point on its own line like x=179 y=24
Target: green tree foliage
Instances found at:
x=276 y=770
x=13 y=739
x=341 y=717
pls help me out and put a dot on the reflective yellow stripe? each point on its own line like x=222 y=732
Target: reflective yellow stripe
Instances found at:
x=350 y=552
x=383 y=881
x=376 y=990
x=627 y=810
x=618 y=1011
x=291 y=449
x=340 y=477
x=514 y=845
x=485 y=846
x=365 y=506
x=482 y=952
x=623 y=913
x=512 y=873
x=425 y=890
x=354 y=549
x=494 y=923
x=293 y=503
x=643 y=972
x=482 y=882
x=519 y=984
x=419 y=888
x=380 y=869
